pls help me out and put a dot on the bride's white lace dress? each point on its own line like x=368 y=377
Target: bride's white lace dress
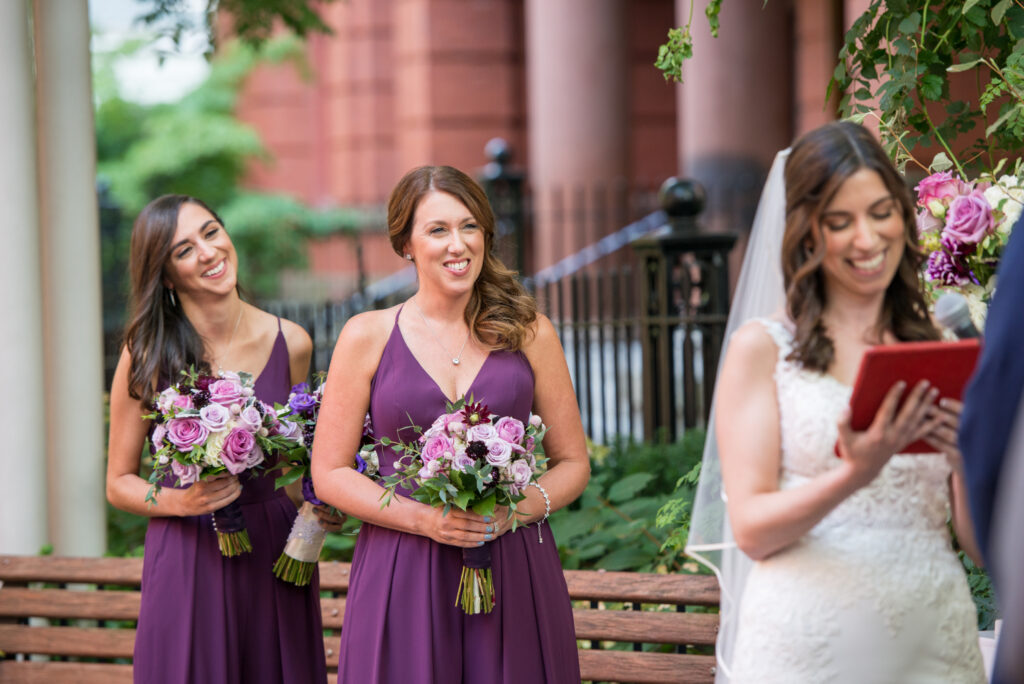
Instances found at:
x=874 y=592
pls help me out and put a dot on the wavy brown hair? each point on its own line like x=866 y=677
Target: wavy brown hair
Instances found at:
x=500 y=310
x=160 y=339
x=819 y=163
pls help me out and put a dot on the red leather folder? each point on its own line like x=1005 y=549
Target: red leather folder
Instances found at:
x=946 y=365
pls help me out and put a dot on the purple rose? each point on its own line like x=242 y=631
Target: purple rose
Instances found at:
x=225 y=392
x=237 y=449
x=436 y=447
x=188 y=473
x=301 y=388
x=969 y=219
x=300 y=402
x=255 y=457
x=287 y=428
x=185 y=433
x=498 y=452
x=521 y=472
x=481 y=432
x=529 y=444
x=510 y=429
x=159 y=432
x=250 y=419
x=939 y=186
x=215 y=417
x=462 y=461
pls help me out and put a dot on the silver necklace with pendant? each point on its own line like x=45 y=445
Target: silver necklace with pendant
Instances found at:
x=231 y=339
x=457 y=359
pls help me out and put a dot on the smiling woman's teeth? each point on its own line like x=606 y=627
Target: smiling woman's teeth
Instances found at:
x=458 y=265
x=869 y=264
x=215 y=270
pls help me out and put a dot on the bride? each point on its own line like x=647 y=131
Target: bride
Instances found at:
x=833 y=569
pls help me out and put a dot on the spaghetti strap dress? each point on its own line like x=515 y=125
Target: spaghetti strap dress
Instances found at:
x=402 y=624
x=205 y=618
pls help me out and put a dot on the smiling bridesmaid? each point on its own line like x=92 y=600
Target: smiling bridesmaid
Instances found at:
x=470 y=328
x=205 y=617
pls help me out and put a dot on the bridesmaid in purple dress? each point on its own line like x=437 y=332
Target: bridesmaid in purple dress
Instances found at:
x=469 y=329
x=204 y=617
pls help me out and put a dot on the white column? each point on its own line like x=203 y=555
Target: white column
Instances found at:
x=72 y=300
x=22 y=420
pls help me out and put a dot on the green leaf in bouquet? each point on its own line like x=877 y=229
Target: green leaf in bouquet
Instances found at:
x=291 y=476
x=486 y=505
x=463 y=498
x=629 y=486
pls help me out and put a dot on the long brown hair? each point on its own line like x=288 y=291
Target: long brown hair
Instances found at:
x=160 y=339
x=819 y=163
x=500 y=310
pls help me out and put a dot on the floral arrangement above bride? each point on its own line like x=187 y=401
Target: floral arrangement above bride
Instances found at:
x=963 y=227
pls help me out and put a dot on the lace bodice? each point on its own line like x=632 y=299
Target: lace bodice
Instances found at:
x=876 y=576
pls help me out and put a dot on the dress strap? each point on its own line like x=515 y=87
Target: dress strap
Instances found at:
x=780 y=333
x=279 y=324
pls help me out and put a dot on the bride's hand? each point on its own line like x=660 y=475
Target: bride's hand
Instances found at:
x=867 y=452
x=943 y=433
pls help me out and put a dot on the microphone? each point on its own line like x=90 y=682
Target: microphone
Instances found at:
x=952 y=313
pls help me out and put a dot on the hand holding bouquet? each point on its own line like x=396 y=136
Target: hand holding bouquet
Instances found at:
x=472 y=460
x=306 y=540
x=206 y=426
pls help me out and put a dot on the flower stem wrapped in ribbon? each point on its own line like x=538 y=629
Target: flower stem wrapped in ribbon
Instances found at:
x=472 y=460
x=208 y=425
x=306 y=540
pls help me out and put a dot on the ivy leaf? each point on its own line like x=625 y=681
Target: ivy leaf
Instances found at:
x=968 y=5
x=628 y=486
x=910 y=24
x=940 y=163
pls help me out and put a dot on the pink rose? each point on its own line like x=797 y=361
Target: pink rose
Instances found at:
x=183 y=401
x=431 y=469
x=215 y=417
x=499 y=452
x=940 y=186
x=185 y=433
x=165 y=401
x=159 y=432
x=436 y=447
x=510 y=429
x=238 y=448
x=250 y=419
x=927 y=222
x=535 y=421
x=969 y=219
x=529 y=444
x=188 y=473
x=225 y=392
x=255 y=457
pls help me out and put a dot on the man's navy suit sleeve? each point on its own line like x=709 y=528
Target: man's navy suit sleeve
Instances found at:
x=994 y=392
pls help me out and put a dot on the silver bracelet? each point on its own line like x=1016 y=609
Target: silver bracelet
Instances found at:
x=547 y=510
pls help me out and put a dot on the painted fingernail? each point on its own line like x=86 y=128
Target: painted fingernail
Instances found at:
x=487 y=537
x=490 y=528
x=479 y=543
x=487 y=518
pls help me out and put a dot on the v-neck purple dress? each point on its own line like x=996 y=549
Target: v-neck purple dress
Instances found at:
x=209 y=619
x=402 y=625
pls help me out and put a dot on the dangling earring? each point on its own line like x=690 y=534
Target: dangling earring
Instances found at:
x=408 y=257
x=174 y=300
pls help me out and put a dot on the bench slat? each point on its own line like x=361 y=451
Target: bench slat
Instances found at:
x=62 y=603
x=334 y=576
x=126 y=571
x=646 y=668
x=332 y=610
x=642 y=587
x=94 y=642
x=28 y=672
x=646 y=626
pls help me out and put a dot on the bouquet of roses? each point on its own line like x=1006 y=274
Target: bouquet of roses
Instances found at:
x=205 y=426
x=963 y=227
x=306 y=540
x=470 y=459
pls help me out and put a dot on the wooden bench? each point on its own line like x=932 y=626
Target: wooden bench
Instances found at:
x=72 y=620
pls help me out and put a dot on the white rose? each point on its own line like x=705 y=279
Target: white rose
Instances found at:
x=214 y=447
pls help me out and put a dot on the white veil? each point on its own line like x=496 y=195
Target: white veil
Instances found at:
x=759 y=292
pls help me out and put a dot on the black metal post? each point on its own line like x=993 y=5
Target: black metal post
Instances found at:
x=504 y=187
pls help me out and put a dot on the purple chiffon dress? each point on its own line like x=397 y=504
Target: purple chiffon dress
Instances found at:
x=402 y=625
x=209 y=619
